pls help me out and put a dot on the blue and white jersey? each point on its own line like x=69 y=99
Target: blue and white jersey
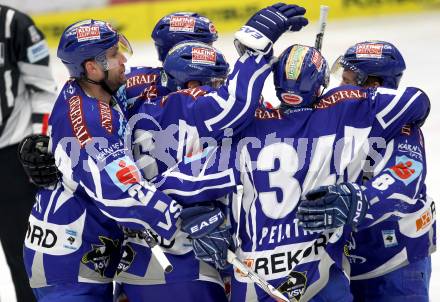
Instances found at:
x=281 y=156
x=143 y=84
x=73 y=233
x=284 y=154
x=400 y=224
x=185 y=126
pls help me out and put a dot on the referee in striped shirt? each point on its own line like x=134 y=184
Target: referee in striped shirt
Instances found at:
x=27 y=94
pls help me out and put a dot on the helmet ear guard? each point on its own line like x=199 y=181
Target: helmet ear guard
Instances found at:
x=300 y=75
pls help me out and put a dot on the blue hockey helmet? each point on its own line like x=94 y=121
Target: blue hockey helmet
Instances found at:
x=89 y=40
x=194 y=61
x=300 y=75
x=182 y=26
x=373 y=58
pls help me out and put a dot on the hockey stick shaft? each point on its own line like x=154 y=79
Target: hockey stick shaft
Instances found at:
x=322 y=24
x=263 y=284
x=157 y=252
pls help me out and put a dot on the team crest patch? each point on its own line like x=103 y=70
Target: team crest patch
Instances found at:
x=86 y=33
x=389 y=238
x=369 y=50
x=127 y=259
x=294 y=286
x=182 y=23
x=203 y=55
x=99 y=255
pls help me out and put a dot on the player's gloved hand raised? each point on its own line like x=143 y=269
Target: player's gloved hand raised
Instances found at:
x=267 y=25
x=329 y=207
x=36 y=160
x=210 y=238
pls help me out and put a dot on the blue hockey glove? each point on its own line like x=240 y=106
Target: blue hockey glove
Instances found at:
x=329 y=207
x=210 y=238
x=267 y=25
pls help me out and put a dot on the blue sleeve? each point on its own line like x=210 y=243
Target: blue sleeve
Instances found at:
x=231 y=106
x=96 y=165
x=395 y=108
x=207 y=177
x=397 y=187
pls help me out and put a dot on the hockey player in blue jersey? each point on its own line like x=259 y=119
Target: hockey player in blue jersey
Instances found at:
x=72 y=246
x=168 y=31
x=409 y=241
x=168 y=130
x=289 y=17
x=287 y=152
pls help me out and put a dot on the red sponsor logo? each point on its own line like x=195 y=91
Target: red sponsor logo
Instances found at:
x=127 y=174
x=403 y=170
x=369 y=50
x=317 y=60
x=291 y=99
x=85 y=33
x=273 y=114
x=424 y=220
x=203 y=55
x=105 y=115
x=141 y=79
x=77 y=120
x=182 y=23
x=192 y=92
x=340 y=96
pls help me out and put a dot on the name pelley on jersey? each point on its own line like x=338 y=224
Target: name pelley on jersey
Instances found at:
x=326 y=145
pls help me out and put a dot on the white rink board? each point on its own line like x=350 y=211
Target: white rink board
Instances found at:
x=418 y=38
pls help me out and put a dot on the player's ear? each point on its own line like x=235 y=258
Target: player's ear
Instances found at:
x=92 y=69
x=373 y=81
x=193 y=84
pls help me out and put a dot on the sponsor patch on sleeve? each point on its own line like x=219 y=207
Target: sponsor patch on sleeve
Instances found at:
x=33 y=34
x=406 y=169
x=123 y=172
x=37 y=51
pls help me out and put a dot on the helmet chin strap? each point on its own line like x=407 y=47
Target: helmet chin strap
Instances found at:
x=102 y=83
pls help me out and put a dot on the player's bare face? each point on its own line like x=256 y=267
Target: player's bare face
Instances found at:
x=116 y=74
x=348 y=78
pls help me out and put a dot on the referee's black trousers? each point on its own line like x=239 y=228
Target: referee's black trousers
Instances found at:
x=17 y=197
